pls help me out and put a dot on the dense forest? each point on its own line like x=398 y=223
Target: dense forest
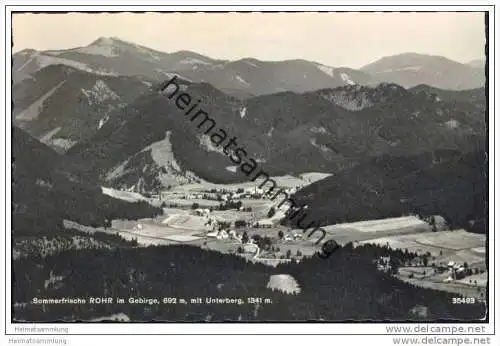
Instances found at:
x=292 y=133
x=444 y=182
x=42 y=197
x=346 y=286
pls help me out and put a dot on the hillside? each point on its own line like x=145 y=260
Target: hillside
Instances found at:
x=42 y=196
x=344 y=287
x=255 y=77
x=475 y=96
x=62 y=105
x=287 y=133
x=104 y=56
x=411 y=69
x=443 y=182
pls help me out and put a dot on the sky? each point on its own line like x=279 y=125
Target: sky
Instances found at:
x=335 y=39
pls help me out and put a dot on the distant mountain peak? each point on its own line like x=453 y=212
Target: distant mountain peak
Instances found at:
x=107 y=46
x=410 y=69
x=107 y=41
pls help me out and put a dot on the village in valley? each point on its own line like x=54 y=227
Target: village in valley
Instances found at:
x=240 y=219
x=237 y=218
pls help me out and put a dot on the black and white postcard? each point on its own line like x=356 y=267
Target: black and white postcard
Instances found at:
x=319 y=167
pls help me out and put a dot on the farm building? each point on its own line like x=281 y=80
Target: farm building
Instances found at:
x=202 y=212
x=222 y=235
x=218 y=234
x=267 y=223
x=251 y=248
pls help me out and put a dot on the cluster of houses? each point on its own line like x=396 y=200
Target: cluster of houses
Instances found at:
x=225 y=234
x=194 y=196
x=249 y=192
x=227 y=195
x=202 y=212
x=292 y=236
x=249 y=247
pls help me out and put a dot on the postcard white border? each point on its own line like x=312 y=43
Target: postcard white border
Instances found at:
x=367 y=329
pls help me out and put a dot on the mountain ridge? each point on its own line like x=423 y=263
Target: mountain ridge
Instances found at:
x=245 y=76
x=289 y=133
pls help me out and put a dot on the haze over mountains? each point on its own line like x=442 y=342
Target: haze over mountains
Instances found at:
x=411 y=69
x=246 y=77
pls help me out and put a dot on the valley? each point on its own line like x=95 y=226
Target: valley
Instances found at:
x=115 y=193
x=192 y=216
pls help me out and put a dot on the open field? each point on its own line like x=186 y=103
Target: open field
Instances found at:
x=168 y=229
x=123 y=195
x=446 y=246
x=185 y=222
x=456 y=245
x=223 y=245
x=470 y=286
x=383 y=225
x=180 y=225
x=282 y=181
x=468 y=256
x=455 y=240
x=389 y=224
x=480 y=280
x=203 y=203
x=370 y=231
x=169 y=211
x=453 y=287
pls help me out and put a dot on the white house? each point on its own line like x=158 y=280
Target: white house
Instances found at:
x=222 y=235
x=251 y=248
x=202 y=212
x=259 y=191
